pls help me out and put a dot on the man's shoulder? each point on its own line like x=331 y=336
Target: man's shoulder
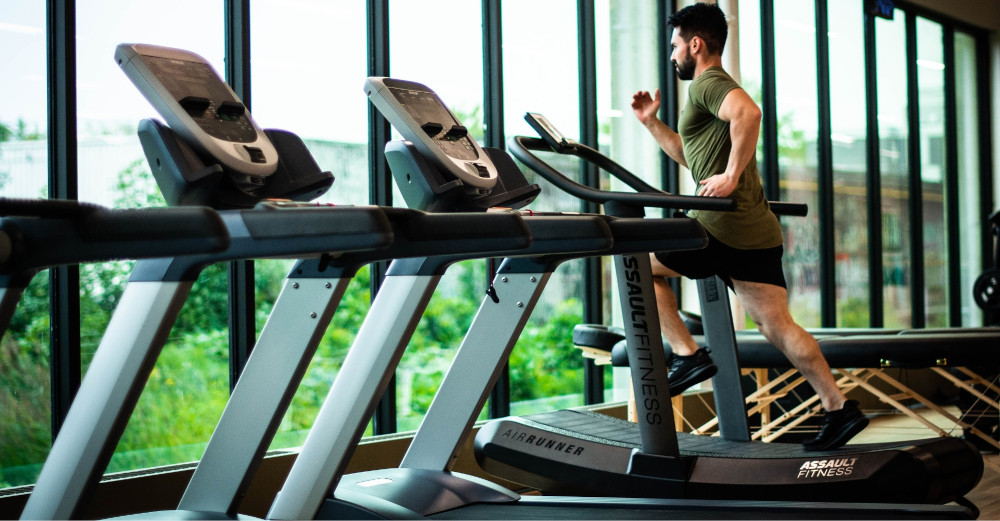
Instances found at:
x=709 y=88
x=714 y=75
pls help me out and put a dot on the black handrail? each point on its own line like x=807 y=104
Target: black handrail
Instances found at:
x=521 y=147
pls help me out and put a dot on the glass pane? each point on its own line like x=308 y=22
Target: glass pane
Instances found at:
x=745 y=32
x=930 y=83
x=545 y=370
x=750 y=74
x=627 y=61
x=850 y=167
x=970 y=214
x=25 y=412
x=627 y=55
x=458 y=80
x=326 y=107
x=893 y=141
x=324 y=104
x=795 y=61
x=189 y=385
x=23 y=108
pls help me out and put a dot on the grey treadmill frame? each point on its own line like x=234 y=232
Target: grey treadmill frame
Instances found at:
x=320 y=464
x=134 y=338
x=370 y=363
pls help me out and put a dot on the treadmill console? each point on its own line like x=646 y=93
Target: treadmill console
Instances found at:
x=198 y=105
x=549 y=132
x=423 y=119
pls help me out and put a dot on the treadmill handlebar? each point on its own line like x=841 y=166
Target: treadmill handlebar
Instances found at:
x=464 y=226
x=17 y=207
x=558 y=143
x=89 y=233
x=521 y=147
x=644 y=235
x=790 y=209
x=158 y=223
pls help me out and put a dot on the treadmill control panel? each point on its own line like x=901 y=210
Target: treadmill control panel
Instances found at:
x=423 y=119
x=548 y=131
x=197 y=104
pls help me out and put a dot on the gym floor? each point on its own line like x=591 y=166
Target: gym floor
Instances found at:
x=891 y=427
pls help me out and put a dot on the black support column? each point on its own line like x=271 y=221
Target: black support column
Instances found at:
x=985 y=133
x=593 y=298
x=824 y=173
x=380 y=180
x=64 y=281
x=769 y=173
x=670 y=171
x=951 y=182
x=916 y=208
x=242 y=324
x=499 y=402
x=876 y=310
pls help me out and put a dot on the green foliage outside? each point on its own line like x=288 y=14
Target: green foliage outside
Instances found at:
x=543 y=362
x=189 y=386
x=853 y=312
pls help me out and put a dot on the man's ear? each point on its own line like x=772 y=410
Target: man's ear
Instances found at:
x=696 y=44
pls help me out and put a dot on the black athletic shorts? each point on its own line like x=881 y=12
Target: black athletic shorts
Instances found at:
x=763 y=265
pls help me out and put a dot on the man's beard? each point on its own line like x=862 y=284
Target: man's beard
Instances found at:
x=685 y=70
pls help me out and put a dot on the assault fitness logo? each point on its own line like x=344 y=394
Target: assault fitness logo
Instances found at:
x=827 y=468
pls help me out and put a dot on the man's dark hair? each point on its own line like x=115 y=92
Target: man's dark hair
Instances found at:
x=706 y=21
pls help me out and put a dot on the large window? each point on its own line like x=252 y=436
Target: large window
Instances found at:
x=318 y=96
x=969 y=213
x=545 y=369
x=455 y=73
x=750 y=74
x=627 y=36
x=933 y=161
x=187 y=389
x=795 y=76
x=893 y=139
x=848 y=139
x=25 y=412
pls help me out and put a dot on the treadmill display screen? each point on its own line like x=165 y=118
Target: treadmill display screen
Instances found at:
x=204 y=97
x=427 y=109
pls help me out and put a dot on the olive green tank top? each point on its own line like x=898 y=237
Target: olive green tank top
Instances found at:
x=706 y=148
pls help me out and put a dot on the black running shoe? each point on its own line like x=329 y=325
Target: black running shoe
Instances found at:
x=838 y=427
x=686 y=371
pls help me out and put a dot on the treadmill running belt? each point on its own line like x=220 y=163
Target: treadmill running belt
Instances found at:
x=588 y=453
x=603 y=428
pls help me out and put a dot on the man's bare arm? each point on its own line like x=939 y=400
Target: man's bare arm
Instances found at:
x=743 y=116
x=644 y=106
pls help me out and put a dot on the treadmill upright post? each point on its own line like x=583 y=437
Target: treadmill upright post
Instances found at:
x=130 y=346
x=647 y=361
x=10 y=294
x=479 y=360
x=299 y=318
x=727 y=384
x=362 y=380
